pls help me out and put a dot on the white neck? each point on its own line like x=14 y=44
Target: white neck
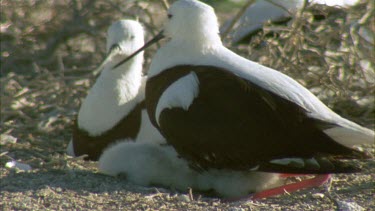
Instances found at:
x=171 y=54
x=112 y=97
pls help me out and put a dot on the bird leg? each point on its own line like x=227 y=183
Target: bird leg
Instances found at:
x=317 y=181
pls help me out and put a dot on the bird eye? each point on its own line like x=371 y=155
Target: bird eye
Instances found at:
x=115 y=46
x=132 y=37
x=170 y=16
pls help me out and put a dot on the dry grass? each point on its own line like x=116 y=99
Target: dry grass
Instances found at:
x=48 y=52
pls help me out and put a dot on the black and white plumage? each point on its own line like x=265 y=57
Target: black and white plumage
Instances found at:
x=221 y=111
x=202 y=131
x=114 y=108
x=132 y=146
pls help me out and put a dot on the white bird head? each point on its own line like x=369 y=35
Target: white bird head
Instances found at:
x=127 y=34
x=190 y=22
x=123 y=38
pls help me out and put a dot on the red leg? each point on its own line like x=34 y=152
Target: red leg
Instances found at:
x=309 y=183
x=317 y=181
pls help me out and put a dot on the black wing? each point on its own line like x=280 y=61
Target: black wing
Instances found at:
x=93 y=146
x=236 y=124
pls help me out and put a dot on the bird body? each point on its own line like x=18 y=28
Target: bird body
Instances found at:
x=154 y=165
x=220 y=110
x=114 y=108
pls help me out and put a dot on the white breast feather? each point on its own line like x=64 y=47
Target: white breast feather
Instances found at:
x=148 y=133
x=179 y=94
x=113 y=96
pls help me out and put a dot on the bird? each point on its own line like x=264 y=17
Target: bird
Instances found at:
x=221 y=111
x=114 y=108
x=148 y=164
x=277 y=12
x=259 y=13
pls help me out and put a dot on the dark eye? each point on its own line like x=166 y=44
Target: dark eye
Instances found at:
x=115 y=46
x=132 y=37
x=170 y=16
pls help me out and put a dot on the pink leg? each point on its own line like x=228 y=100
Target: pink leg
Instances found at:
x=309 y=183
x=317 y=181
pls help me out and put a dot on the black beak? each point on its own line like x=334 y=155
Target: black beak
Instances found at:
x=158 y=37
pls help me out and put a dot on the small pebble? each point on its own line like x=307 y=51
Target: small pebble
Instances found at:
x=318 y=195
x=17 y=165
x=7 y=139
x=184 y=198
x=236 y=209
x=349 y=206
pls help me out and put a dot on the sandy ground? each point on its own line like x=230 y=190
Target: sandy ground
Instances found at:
x=71 y=186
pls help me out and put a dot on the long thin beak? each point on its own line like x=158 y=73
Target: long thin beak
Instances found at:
x=114 y=50
x=158 y=37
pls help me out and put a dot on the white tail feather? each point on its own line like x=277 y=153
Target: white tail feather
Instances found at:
x=350 y=136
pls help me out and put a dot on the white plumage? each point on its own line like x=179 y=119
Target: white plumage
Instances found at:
x=178 y=95
x=116 y=92
x=154 y=165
